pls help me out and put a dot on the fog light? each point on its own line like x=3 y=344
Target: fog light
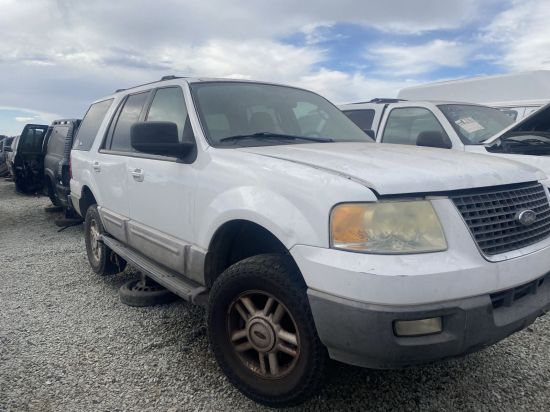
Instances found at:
x=418 y=327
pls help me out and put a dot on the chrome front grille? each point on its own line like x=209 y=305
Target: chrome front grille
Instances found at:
x=491 y=215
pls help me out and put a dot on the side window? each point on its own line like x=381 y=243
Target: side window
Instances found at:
x=56 y=144
x=362 y=118
x=168 y=105
x=404 y=125
x=510 y=112
x=33 y=140
x=128 y=116
x=90 y=125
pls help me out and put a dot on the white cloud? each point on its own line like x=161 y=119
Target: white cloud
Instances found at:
x=522 y=33
x=22 y=119
x=409 y=60
x=82 y=50
x=343 y=87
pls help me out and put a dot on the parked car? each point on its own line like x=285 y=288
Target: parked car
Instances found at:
x=301 y=236
x=516 y=94
x=57 y=161
x=10 y=149
x=460 y=126
x=3 y=163
x=28 y=159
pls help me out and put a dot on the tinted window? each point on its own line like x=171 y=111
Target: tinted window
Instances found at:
x=128 y=116
x=405 y=124
x=56 y=144
x=246 y=109
x=90 y=125
x=362 y=118
x=32 y=141
x=169 y=106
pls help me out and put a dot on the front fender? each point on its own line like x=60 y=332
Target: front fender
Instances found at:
x=277 y=214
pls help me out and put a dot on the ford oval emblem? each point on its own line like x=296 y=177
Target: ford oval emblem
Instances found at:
x=526 y=217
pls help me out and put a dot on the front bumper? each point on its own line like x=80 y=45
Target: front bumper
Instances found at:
x=362 y=334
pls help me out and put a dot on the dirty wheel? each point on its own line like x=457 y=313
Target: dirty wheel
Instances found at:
x=144 y=292
x=262 y=331
x=102 y=259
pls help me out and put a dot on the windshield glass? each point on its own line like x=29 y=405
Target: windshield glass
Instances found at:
x=474 y=124
x=253 y=114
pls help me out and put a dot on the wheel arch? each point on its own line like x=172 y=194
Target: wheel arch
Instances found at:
x=236 y=240
x=87 y=199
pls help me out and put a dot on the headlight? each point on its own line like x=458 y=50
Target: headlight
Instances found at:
x=387 y=227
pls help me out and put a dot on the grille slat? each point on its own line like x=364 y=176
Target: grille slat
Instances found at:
x=490 y=214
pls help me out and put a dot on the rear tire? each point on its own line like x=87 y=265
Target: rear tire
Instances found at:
x=52 y=194
x=274 y=356
x=102 y=259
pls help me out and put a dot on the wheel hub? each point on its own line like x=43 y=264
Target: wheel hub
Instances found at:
x=261 y=334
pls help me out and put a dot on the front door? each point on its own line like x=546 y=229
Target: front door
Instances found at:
x=160 y=190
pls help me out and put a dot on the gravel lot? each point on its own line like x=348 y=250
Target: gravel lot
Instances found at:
x=67 y=343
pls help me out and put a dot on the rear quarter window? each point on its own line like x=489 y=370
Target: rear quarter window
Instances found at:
x=91 y=124
x=56 y=144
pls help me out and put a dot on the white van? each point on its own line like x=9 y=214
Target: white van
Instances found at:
x=517 y=94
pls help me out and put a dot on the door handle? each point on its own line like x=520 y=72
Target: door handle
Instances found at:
x=96 y=166
x=137 y=174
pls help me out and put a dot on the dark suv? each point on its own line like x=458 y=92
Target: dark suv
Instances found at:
x=56 y=162
x=28 y=162
x=3 y=161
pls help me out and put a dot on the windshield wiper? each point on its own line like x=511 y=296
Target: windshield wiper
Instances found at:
x=269 y=135
x=527 y=141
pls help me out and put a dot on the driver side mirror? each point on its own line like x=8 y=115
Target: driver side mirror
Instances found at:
x=159 y=138
x=433 y=138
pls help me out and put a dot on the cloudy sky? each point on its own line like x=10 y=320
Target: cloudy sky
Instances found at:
x=58 y=56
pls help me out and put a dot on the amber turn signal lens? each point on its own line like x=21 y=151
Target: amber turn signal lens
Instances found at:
x=348 y=224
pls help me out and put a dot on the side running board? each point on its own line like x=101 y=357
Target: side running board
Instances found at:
x=184 y=288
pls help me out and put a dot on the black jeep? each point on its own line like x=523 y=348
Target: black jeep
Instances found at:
x=28 y=161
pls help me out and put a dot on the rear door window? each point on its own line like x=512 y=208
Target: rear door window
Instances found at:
x=362 y=118
x=128 y=116
x=56 y=144
x=32 y=140
x=91 y=124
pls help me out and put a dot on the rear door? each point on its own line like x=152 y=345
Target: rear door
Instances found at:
x=160 y=189
x=111 y=165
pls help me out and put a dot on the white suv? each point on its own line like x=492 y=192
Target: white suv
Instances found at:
x=304 y=238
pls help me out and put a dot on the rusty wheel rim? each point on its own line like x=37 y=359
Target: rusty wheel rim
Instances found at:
x=263 y=334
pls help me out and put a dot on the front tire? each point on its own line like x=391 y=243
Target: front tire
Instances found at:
x=102 y=259
x=262 y=331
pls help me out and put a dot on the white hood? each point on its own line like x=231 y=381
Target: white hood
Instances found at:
x=398 y=169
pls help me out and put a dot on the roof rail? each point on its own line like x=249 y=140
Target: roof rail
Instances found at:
x=169 y=77
x=385 y=100
x=163 y=78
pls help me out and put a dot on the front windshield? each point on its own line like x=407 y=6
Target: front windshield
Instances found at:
x=475 y=124
x=254 y=114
